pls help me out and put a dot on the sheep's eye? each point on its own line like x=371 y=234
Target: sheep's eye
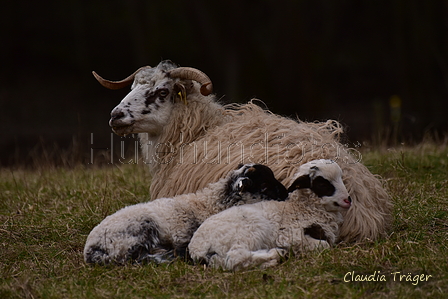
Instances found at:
x=163 y=92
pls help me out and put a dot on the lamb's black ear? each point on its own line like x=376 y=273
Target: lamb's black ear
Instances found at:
x=264 y=182
x=274 y=190
x=239 y=166
x=281 y=191
x=301 y=182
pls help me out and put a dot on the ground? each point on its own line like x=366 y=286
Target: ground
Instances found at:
x=47 y=212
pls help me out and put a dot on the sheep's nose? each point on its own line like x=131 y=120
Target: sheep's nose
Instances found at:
x=116 y=115
x=348 y=200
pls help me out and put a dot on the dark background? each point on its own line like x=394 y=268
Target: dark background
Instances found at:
x=314 y=59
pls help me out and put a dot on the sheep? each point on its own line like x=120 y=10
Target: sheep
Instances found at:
x=161 y=229
x=261 y=234
x=184 y=131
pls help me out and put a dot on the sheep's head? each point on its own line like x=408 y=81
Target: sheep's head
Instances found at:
x=147 y=108
x=323 y=177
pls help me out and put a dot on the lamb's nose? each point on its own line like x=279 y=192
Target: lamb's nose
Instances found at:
x=348 y=201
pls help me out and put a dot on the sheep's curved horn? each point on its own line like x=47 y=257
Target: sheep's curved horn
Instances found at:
x=196 y=75
x=117 y=84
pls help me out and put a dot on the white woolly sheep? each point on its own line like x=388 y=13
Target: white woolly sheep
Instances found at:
x=185 y=132
x=261 y=234
x=161 y=229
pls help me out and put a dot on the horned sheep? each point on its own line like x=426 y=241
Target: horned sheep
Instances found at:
x=261 y=234
x=185 y=132
x=161 y=229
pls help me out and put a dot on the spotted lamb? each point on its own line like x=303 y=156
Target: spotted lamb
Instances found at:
x=161 y=229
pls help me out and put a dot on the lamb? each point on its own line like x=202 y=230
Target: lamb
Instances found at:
x=261 y=234
x=185 y=132
x=161 y=229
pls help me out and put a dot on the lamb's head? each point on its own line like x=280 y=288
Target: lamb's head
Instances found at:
x=323 y=177
x=255 y=180
x=147 y=107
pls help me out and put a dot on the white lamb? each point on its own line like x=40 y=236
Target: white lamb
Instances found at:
x=261 y=234
x=161 y=229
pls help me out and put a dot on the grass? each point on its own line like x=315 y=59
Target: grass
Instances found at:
x=47 y=213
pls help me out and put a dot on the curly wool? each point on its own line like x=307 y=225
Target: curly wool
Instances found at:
x=207 y=145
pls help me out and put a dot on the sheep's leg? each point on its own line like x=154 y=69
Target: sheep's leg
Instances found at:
x=237 y=258
x=182 y=237
x=162 y=256
x=268 y=258
x=232 y=260
x=309 y=243
x=240 y=258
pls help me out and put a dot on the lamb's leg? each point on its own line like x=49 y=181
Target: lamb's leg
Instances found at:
x=268 y=258
x=237 y=258
x=240 y=258
x=310 y=243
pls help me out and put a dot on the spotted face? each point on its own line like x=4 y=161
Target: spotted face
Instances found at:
x=323 y=177
x=148 y=106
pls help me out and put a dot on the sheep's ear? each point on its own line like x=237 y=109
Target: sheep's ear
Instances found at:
x=282 y=193
x=301 y=182
x=276 y=192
